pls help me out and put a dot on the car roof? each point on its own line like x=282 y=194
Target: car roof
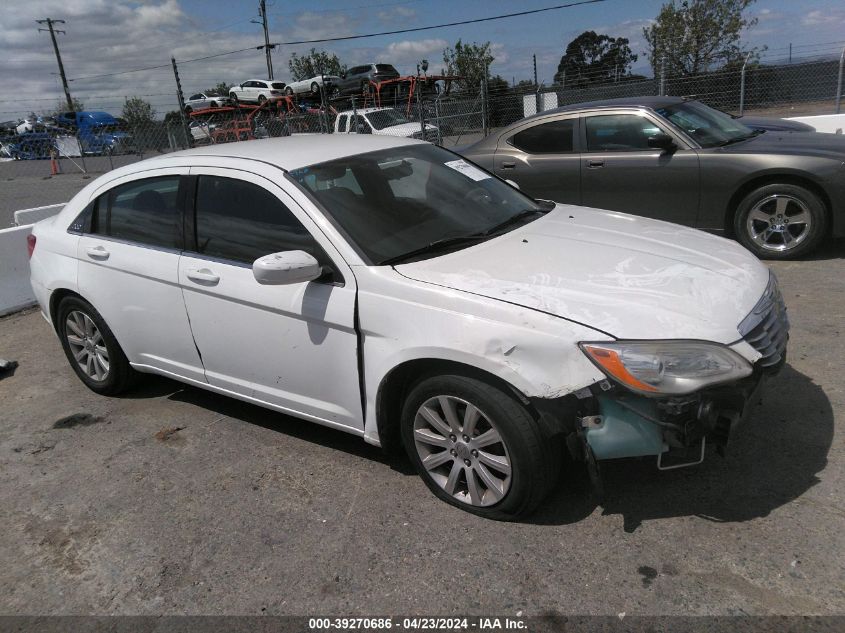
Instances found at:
x=630 y=102
x=293 y=152
x=364 y=110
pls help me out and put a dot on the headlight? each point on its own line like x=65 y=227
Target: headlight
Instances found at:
x=667 y=367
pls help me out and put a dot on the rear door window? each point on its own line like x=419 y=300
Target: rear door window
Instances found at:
x=554 y=137
x=145 y=212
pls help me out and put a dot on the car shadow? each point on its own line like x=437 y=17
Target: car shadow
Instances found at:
x=831 y=249
x=772 y=459
x=289 y=425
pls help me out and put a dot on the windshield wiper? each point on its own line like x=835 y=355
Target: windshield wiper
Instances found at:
x=447 y=242
x=514 y=219
x=739 y=139
x=433 y=247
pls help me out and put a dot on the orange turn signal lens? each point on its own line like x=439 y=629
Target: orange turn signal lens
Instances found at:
x=608 y=360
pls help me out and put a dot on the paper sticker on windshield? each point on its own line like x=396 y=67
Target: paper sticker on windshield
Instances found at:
x=470 y=171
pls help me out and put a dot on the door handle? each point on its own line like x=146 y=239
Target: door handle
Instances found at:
x=97 y=252
x=508 y=165
x=202 y=276
x=595 y=164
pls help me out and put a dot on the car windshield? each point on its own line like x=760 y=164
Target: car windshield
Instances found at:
x=395 y=203
x=386 y=118
x=709 y=127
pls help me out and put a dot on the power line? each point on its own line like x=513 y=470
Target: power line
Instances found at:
x=441 y=26
x=353 y=37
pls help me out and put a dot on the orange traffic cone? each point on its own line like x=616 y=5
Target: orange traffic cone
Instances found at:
x=54 y=164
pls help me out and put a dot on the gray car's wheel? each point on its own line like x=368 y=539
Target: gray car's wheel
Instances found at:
x=315 y=88
x=781 y=221
x=91 y=348
x=289 y=91
x=476 y=447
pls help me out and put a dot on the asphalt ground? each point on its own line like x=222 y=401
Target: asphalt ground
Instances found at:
x=173 y=500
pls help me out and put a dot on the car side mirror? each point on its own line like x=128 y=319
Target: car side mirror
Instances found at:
x=286 y=267
x=511 y=183
x=662 y=141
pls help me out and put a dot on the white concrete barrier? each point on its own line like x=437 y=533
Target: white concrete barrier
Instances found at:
x=830 y=123
x=36 y=214
x=15 y=290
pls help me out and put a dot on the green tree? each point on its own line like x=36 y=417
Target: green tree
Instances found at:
x=314 y=63
x=138 y=111
x=221 y=88
x=61 y=106
x=470 y=62
x=592 y=58
x=696 y=36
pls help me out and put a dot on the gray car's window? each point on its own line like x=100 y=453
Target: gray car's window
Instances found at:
x=142 y=211
x=554 y=137
x=619 y=132
x=707 y=126
x=195 y=97
x=240 y=221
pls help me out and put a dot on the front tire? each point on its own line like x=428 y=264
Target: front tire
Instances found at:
x=289 y=91
x=91 y=349
x=476 y=447
x=781 y=221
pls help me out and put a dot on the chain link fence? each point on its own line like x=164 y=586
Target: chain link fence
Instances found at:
x=41 y=148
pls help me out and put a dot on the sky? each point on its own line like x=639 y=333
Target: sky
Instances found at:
x=112 y=36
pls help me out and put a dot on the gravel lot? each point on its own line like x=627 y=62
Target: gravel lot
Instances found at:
x=173 y=500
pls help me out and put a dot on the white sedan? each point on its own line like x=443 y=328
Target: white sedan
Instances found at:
x=388 y=288
x=311 y=85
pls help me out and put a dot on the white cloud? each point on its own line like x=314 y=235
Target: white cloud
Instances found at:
x=411 y=51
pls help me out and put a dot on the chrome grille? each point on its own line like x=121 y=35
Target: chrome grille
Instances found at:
x=766 y=328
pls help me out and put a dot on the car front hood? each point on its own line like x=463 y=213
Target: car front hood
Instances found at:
x=623 y=275
x=403 y=129
x=793 y=143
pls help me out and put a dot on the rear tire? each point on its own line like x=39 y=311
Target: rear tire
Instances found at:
x=315 y=88
x=262 y=99
x=234 y=98
x=781 y=221
x=492 y=460
x=92 y=349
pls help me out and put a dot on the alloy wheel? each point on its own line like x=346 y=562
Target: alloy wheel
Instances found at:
x=462 y=451
x=87 y=345
x=779 y=222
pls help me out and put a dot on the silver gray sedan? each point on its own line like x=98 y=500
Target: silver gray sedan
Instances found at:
x=203 y=100
x=780 y=193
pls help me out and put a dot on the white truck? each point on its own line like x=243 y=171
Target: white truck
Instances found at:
x=383 y=122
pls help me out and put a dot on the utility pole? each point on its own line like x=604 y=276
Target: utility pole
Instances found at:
x=262 y=12
x=181 y=99
x=50 y=22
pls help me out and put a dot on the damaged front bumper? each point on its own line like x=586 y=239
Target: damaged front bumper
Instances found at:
x=616 y=423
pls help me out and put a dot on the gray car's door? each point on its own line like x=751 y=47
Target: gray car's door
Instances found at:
x=619 y=171
x=541 y=158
